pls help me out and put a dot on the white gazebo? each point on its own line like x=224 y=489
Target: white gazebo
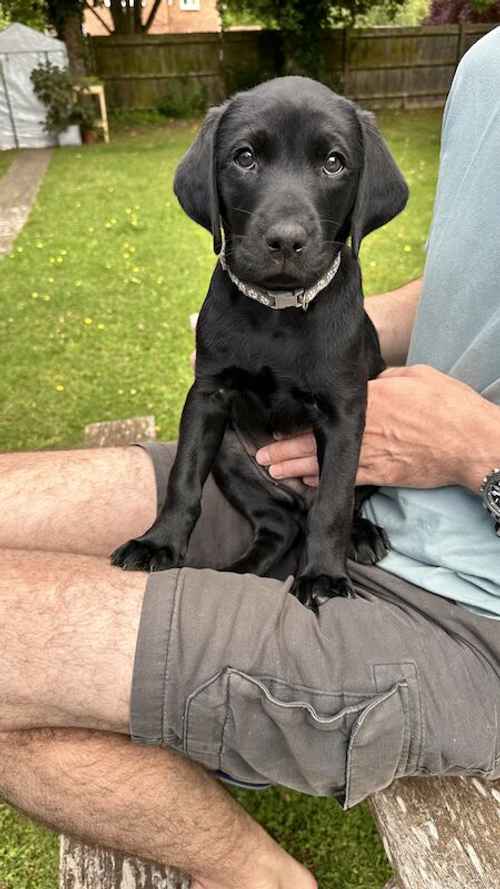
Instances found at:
x=22 y=115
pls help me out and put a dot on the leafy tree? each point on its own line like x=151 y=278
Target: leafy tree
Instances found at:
x=301 y=23
x=410 y=14
x=29 y=12
x=66 y=16
x=446 y=12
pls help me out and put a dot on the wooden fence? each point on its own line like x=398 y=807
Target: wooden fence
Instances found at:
x=379 y=67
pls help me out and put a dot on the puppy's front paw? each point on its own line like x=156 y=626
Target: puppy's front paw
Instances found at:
x=369 y=542
x=142 y=555
x=315 y=591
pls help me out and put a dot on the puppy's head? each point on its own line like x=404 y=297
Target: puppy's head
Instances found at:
x=289 y=170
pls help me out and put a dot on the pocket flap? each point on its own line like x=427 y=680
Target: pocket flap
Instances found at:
x=375 y=747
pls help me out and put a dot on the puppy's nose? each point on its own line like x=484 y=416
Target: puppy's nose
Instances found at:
x=286 y=237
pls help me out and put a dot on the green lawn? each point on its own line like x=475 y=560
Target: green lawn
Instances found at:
x=6 y=158
x=95 y=299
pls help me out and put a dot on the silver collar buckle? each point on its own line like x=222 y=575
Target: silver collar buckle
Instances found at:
x=288 y=299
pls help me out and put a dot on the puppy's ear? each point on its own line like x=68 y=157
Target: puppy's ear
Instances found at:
x=382 y=191
x=195 y=182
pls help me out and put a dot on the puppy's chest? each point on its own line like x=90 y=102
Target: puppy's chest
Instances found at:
x=275 y=370
x=279 y=397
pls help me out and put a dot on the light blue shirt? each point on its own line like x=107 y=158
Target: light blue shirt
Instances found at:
x=443 y=540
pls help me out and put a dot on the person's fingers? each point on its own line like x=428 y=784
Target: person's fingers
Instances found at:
x=305 y=466
x=192 y=359
x=287 y=449
x=312 y=481
x=363 y=477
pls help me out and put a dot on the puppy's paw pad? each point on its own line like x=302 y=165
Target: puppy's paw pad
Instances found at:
x=369 y=542
x=313 y=592
x=139 y=555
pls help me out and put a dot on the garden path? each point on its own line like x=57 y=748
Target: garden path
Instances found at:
x=18 y=190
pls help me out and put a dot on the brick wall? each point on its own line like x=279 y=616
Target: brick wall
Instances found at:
x=171 y=18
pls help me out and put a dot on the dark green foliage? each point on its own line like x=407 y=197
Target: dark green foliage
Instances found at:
x=54 y=87
x=185 y=98
x=32 y=13
x=301 y=23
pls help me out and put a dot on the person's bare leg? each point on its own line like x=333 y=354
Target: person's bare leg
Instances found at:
x=82 y=501
x=68 y=631
x=145 y=801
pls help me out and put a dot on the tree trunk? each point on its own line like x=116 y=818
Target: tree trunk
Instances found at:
x=123 y=17
x=71 y=32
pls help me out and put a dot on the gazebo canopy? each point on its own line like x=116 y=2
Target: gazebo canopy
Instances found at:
x=22 y=116
x=18 y=38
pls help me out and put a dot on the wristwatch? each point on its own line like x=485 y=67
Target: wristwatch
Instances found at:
x=490 y=495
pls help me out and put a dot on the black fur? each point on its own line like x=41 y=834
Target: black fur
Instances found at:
x=258 y=170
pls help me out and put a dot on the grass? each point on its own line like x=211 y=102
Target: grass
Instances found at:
x=6 y=158
x=95 y=299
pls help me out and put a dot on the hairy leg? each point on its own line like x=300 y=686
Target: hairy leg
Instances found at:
x=68 y=631
x=145 y=801
x=82 y=501
x=69 y=627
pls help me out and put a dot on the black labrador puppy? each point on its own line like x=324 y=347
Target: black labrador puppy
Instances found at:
x=290 y=171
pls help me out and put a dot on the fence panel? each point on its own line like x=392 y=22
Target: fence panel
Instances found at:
x=379 y=67
x=139 y=71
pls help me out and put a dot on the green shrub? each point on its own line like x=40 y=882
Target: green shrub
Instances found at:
x=185 y=98
x=55 y=88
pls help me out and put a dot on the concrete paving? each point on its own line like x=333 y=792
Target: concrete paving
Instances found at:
x=18 y=190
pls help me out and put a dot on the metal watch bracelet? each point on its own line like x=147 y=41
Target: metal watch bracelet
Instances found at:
x=490 y=496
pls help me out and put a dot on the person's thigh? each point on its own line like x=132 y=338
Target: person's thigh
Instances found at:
x=77 y=501
x=235 y=673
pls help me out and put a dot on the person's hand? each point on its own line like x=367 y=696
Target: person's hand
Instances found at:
x=293 y=457
x=423 y=430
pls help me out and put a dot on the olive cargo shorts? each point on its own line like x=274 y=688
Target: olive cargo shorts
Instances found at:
x=232 y=671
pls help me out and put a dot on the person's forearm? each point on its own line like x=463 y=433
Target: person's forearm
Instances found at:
x=393 y=314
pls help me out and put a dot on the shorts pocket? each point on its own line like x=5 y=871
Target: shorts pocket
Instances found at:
x=261 y=729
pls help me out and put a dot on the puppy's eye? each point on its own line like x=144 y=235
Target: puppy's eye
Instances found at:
x=245 y=158
x=333 y=164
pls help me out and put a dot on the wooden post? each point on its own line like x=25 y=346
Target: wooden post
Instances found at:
x=87 y=867
x=462 y=33
x=345 y=62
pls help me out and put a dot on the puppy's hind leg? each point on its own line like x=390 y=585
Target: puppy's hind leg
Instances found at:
x=276 y=516
x=369 y=542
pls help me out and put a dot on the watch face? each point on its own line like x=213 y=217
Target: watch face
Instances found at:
x=492 y=494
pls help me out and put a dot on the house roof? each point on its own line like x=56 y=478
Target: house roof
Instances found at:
x=19 y=38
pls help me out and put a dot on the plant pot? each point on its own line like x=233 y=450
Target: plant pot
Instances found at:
x=70 y=136
x=89 y=137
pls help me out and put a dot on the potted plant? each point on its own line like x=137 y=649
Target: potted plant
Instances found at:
x=84 y=115
x=66 y=104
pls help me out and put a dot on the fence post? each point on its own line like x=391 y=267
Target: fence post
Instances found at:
x=345 y=61
x=462 y=33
